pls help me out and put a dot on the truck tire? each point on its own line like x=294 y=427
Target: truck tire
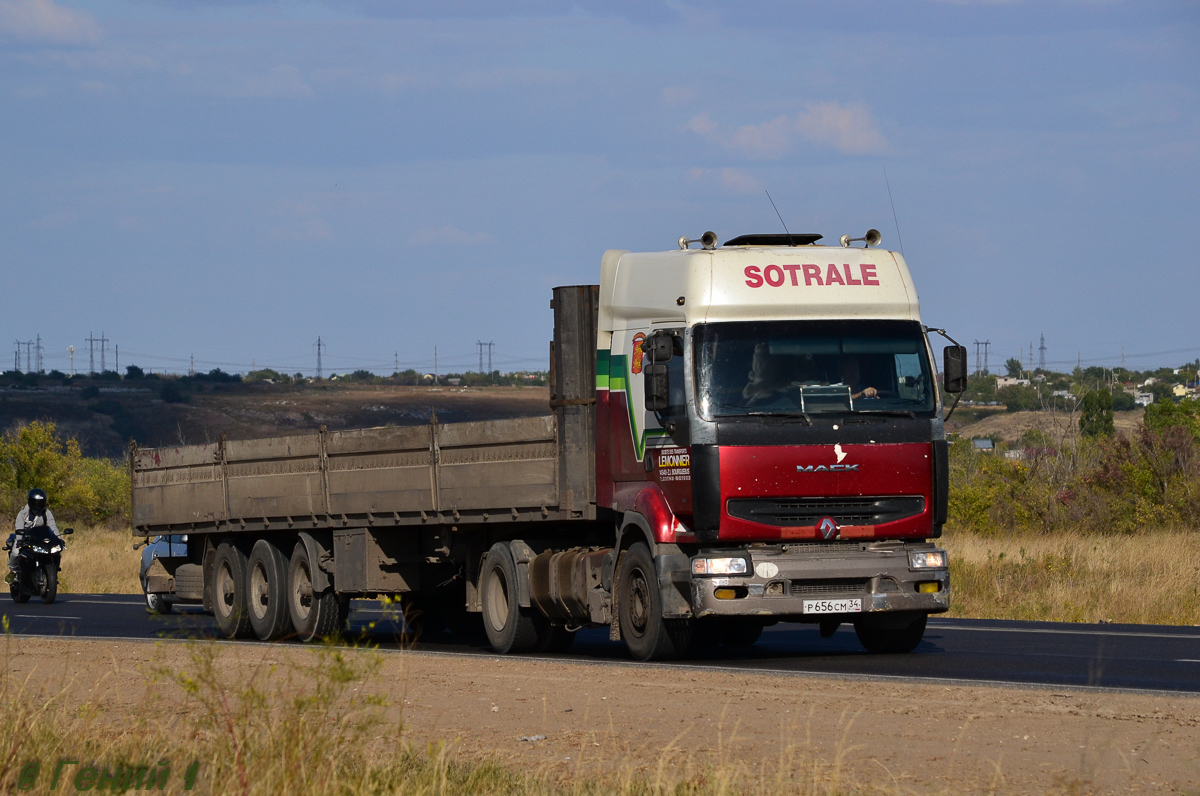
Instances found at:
x=880 y=639
x=509 y=627
x=313 y=615
x=648 y=636
x=266 y=591
x=229 y=592
x=156 y=603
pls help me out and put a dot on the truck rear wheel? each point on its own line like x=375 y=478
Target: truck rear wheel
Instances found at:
x=509 y=627
x=881 y=637
x=267 y=591
x=229 y=591
x=313 y=615
x=647 y=634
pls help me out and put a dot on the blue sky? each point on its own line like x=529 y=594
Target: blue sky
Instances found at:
x=233 y=179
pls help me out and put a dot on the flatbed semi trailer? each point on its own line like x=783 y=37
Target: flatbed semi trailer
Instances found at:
x=736 y=436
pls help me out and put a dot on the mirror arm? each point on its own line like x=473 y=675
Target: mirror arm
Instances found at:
x=952 y=408
x=942 y=332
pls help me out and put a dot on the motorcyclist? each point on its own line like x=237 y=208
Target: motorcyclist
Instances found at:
x=35 y=513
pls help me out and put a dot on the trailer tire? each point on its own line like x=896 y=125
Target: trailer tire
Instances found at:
x=883 y=640
x=267 y=592
x=229 y=592
x=313 y=615
x=509 y=627
x=647 y=634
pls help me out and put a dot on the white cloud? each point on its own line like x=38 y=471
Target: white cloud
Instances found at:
x=281 y=82
x=735 y=180
x=302 y=221
x=45 y=20
x=450 y=234
x=702 y=125
x=678 y=95
x=850 y=129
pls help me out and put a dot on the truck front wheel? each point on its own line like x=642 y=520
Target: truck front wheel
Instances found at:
x=889 y=634
x=647 y=634
x=229 y=591
x=313 y=615
x=509 y=627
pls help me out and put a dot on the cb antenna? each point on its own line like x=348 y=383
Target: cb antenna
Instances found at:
x=888 y=183
x=781 y=221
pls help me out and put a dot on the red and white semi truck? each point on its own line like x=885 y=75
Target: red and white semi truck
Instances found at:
x=739 y=435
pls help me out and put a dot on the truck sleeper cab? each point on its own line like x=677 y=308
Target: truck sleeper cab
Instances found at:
x=739 y=435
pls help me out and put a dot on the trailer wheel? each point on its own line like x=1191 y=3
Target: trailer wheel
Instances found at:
x=266 y=591
x=882 y=639
x=648 y=636
x=509 y=627
x=313 y=615
x=229 y=592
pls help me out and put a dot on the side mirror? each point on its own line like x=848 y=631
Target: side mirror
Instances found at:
x=954 y=369
x=657 y=385
x=68 y=531
x=659 y=347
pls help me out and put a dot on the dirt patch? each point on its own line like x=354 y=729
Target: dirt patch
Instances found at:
x=1009 y=426
x=572 y=720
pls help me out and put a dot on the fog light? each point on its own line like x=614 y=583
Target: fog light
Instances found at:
x=929 y=587
x=725 y=594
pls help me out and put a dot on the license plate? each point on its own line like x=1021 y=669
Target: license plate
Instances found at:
x=832 y=606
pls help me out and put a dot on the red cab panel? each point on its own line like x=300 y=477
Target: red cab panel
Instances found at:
x=783 y=492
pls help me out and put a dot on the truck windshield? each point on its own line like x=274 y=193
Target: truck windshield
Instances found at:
x=812 y=367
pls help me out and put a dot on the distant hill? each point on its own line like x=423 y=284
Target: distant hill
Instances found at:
x=104 y=420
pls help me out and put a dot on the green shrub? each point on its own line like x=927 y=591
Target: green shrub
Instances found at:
x=82 y=490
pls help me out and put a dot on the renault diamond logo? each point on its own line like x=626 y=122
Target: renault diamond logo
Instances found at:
x=828 y=527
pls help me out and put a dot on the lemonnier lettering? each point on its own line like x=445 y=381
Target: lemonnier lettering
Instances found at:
x=812 y=274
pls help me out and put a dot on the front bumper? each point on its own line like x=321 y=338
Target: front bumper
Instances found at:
x=783 y=577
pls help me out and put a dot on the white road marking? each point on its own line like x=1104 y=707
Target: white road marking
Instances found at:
x=1062 y=632
x=1187 y=660
x=45 y=616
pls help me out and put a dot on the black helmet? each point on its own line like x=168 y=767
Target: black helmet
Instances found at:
x=37 y=501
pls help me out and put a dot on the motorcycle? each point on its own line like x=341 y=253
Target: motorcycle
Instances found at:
x=36 y=564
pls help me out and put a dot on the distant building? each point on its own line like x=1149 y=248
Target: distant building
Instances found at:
x=983 y=444
x=1061 y=393
x=1143 y=398
x=1010 y=381
x=1181 y=390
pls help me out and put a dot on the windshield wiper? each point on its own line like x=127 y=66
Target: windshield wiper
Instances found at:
x=887 y=412
x=783 y=415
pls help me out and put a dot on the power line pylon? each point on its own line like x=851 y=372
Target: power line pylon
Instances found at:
x=1042 y=355
x=320 y=350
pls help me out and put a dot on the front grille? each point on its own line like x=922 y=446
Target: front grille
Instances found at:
x=806 y=511
x=838 y=586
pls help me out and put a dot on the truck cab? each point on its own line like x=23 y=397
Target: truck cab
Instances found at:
x=768 y=414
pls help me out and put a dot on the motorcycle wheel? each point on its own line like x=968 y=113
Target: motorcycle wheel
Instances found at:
x=49 y=583
x=18 y=596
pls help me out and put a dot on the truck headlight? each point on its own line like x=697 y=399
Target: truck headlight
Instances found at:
x=719 y=566
x=927 y=559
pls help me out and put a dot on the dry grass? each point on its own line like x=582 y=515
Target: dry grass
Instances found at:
x=313 y=725
x=1149 y=578
x=100 y=561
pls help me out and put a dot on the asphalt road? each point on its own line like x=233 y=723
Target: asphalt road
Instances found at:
x=1141 y=657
